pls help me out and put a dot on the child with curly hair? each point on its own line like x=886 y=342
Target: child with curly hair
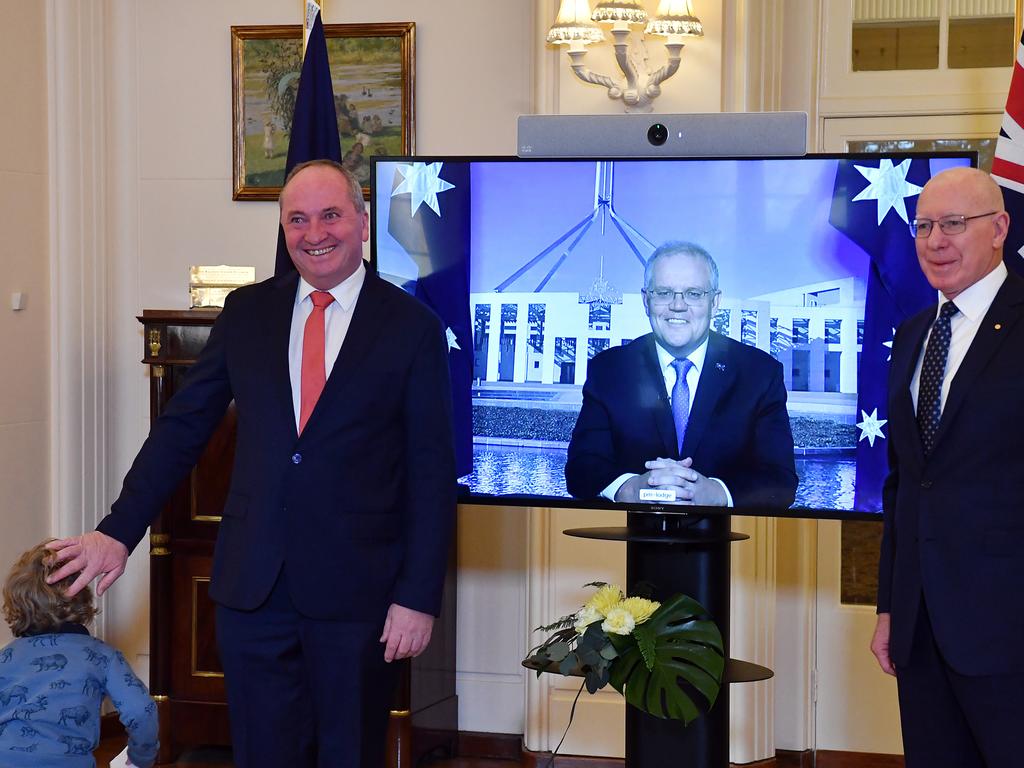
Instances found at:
x=54 y=676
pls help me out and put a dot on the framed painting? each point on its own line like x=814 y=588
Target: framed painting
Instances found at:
x=373 y=78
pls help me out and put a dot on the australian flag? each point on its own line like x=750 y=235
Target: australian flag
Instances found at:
x=314 y=133
x=1008 y=165
x=429 y=216
x=873 y=202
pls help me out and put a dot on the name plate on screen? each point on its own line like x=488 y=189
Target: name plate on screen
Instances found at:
x=657 y=494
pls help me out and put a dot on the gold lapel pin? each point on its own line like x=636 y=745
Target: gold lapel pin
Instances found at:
x=999 y=326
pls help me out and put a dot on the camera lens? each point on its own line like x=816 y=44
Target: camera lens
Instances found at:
x=657 y=134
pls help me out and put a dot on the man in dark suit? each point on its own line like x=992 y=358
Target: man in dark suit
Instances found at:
x=950 y=613
x=683 y=414
x=336 y=530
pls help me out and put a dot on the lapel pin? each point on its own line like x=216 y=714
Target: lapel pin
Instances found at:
x=999 y=326
x=720 y=366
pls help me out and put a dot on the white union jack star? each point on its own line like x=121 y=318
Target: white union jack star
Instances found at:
x=422 y=182
x=889 y=186
x=871 y=427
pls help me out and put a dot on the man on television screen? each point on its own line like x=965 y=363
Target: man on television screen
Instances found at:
x=951 y=573
x=683 y=414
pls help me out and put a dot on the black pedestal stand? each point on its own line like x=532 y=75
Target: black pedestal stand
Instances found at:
x=688 y=554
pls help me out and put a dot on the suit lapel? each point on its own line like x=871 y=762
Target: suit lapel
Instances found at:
x=277 y=323
x=715 y=378
x=904 y=361
x=653 y=390
x=994 y=329
x=369 y=315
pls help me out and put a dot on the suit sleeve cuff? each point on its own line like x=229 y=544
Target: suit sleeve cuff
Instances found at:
x=725 y=488
x=613 y=487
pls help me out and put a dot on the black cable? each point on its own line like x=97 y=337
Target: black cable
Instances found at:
x=572 y=714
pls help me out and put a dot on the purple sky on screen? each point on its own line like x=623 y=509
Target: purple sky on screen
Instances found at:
x=752 y=216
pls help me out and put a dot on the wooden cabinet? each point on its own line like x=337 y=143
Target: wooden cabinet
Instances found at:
x=186 y=677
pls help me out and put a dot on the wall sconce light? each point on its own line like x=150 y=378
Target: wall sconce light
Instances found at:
x=577 y=28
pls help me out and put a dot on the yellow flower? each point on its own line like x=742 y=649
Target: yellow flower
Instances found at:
x=639 y=608
x=618 y=622
x=606 y=598
x=585 y=616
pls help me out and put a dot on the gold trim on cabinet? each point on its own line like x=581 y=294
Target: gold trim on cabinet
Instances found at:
x=400 y=713
x=195 y=631
x=154 y=342
x=195 y=503
x=159 y=698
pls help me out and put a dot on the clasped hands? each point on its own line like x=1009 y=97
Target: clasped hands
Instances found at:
x=689 y=485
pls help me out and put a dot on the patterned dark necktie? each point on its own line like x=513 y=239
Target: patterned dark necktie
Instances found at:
x=933 y=370
x=681 y=400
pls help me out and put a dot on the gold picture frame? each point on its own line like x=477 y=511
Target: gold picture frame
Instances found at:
x=1018 y=24
x=372 y=69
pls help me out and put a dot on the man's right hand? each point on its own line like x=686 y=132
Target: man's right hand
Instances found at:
x=880 y=644
x=89 y=555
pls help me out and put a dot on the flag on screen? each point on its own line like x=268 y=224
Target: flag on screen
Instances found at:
x=1008 y=165
x=873 y=203
x=429 y=216
x=314 y=133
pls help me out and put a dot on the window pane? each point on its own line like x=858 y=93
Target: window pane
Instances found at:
x=985 y=148
x=891 y=45
x=981 y=42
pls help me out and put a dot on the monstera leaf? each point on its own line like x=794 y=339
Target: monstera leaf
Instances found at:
x=676 y=644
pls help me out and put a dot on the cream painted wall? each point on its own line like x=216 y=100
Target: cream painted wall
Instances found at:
x=24 y=335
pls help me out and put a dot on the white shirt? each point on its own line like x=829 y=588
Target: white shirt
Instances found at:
x=337 y=318
x=973 y=303
x=666 y=359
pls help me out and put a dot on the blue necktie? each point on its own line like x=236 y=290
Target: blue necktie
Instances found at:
x=681 y=400
x=933 y=371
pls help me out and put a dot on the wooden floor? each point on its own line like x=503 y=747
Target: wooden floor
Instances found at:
x=216 y=757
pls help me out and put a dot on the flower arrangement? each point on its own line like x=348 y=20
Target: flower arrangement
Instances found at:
x=655 y=654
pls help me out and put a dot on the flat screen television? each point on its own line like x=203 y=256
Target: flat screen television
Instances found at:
x=536 y=267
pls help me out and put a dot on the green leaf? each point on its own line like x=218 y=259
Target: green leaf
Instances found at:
x=609 y=652
x=681 y=644
x=557 y=651
x=645 y=642
x=568 y=665
x=596 y=679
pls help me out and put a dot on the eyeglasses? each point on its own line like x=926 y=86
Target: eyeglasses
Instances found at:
x=949 y=225
x=664 y=296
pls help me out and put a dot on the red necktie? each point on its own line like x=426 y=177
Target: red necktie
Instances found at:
x=314 y=371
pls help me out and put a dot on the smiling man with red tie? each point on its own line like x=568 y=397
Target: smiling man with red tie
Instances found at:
x=331 y=553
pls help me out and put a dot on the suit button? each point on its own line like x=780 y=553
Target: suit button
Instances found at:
x=924 y=483
x=296 y=458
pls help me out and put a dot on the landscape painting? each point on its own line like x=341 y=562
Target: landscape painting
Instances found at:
x=372 y=76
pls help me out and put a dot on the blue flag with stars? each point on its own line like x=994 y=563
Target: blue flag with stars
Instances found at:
x=873 y=203
x=429 y=216
x=314 y=133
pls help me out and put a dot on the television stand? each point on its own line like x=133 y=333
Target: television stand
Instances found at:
x=688 y=554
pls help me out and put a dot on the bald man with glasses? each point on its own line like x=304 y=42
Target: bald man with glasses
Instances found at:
x=951 y=573
x=683 y=415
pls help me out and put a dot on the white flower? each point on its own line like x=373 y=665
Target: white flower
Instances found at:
x=586 y=616
x=618 y=622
